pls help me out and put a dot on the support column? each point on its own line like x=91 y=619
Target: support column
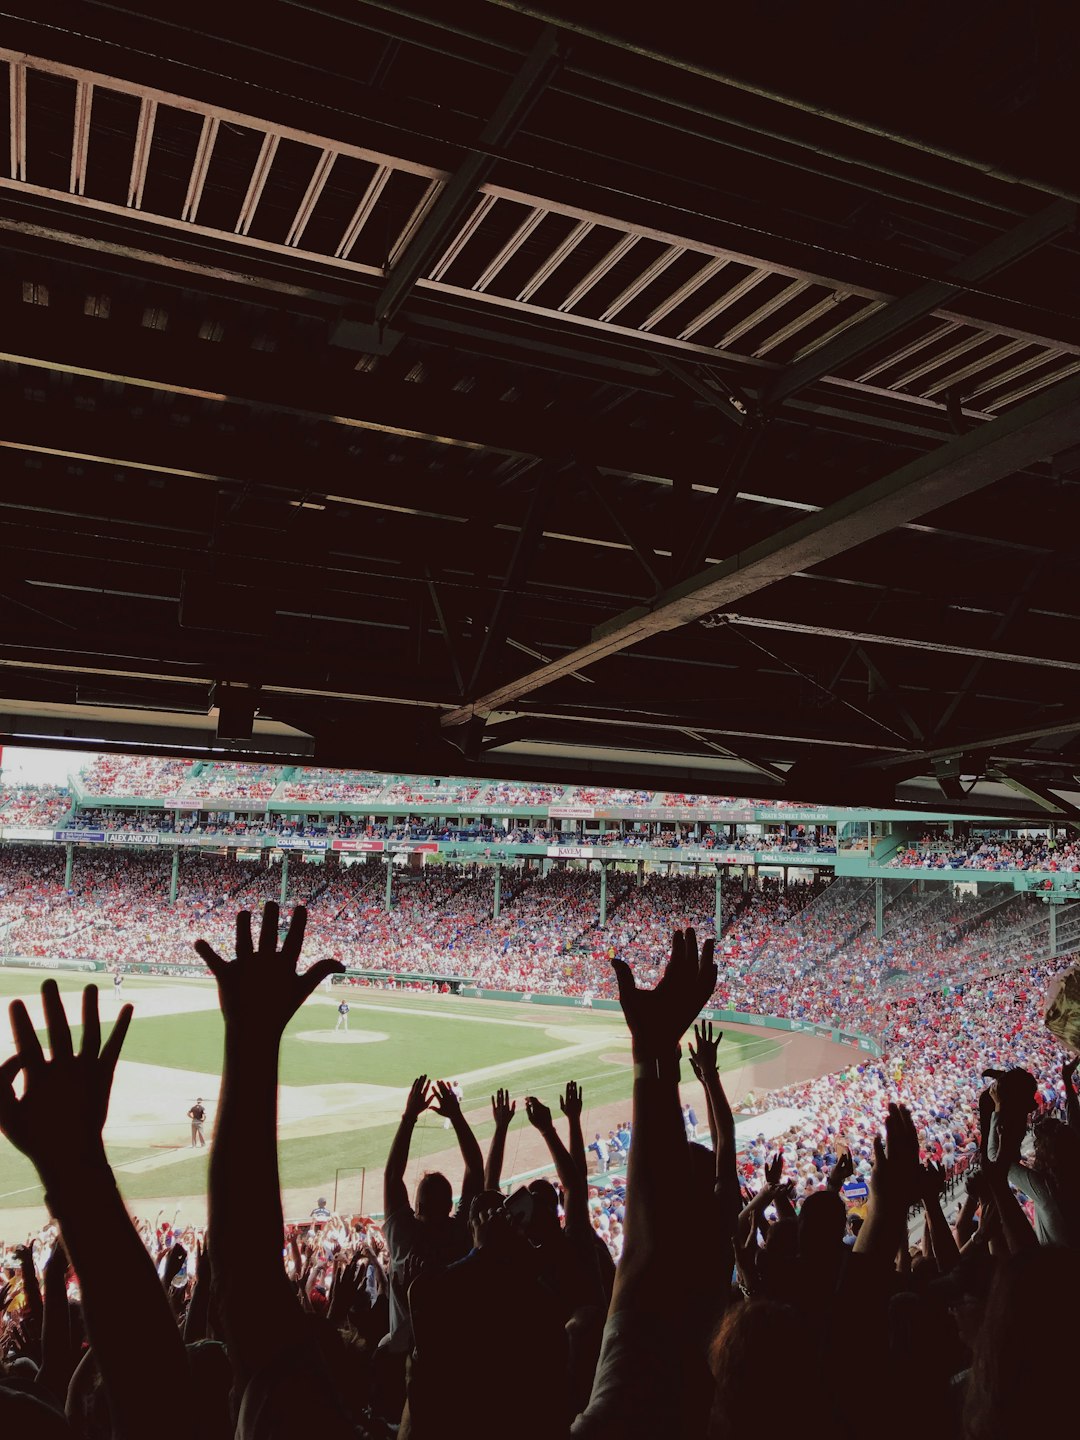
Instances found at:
x=879 y=907
x=284 y=876
x=641 y=872
x=603 y=894
x=498 y=892
x=1053 y=928
x=69 y=865
x=389 y=884
x=175 y=878
x=719 y=906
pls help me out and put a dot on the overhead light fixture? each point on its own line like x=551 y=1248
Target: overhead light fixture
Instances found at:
x=236 y=706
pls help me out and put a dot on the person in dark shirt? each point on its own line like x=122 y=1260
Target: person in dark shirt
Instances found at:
x=197 y=1116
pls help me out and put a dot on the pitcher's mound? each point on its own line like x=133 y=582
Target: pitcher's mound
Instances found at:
x=342 y=1037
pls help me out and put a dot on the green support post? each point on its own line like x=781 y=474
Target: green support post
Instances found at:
x=603 y=895
x=175 y=880
x=718 y=913
x=69 y=865
x=1053 y=929
x=389 y=884
x=879 y=907
x=498 y=892
x=284 y=877
x=641 y=872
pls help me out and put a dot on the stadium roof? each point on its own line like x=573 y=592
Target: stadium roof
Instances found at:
x=669 y=400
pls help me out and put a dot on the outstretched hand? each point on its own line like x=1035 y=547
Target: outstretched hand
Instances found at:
x=1068 y=1068
x=503 y=1109
x=58 y=1120
x=703 y=1053
x=420 y=1099
x=842 y=1171
x=538 y=1113
x=260 y=991
x=931 y=1182
x=570 y=1101
x=445 y=1102
x=896 y=1177
x=774 y=1168
x=659 y=1018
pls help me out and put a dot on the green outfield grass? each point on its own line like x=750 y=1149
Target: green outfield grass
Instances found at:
x=441 y=1036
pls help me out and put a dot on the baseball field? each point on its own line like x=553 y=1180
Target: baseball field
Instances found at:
x=342 y=1092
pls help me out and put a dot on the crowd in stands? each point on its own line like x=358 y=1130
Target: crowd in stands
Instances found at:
x=991 y=852
x=41 y=806
x=135 y=775
x=708 y=1295
x=130 y=775
x=328 y=787
x=793 y=841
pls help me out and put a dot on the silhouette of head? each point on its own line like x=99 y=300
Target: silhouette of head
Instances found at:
x=822 y=1222
x=434 y=1197
x=544 y=1221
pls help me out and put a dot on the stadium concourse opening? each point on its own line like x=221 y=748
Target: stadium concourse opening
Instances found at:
x=540 y=788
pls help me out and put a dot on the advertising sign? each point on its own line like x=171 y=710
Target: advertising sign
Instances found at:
x=357 y=845
x=572 y=812
x=570 y=852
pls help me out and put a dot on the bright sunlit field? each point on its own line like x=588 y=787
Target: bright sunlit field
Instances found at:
x=341 y=1094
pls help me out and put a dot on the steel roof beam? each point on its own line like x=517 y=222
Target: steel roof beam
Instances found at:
x=964 y=466
x=1037 y=230
x=459 y=193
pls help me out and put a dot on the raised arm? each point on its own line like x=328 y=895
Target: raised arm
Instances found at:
x=57 y=1357
x=395 y=1195
x=57 y=1122
x=703 y=1063
x=1015 y=1225
x=658 y=1172
x=841 y=1172
x=894 y=1185
x=932 y=1187
x=573 y=1176
x=448 y=1106
x=1072 y=1104
x=571 y=1103
x=503 y=1110
x=965 y=1220
x=259 y=992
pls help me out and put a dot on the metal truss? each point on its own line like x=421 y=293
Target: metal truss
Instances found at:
x=191 y=168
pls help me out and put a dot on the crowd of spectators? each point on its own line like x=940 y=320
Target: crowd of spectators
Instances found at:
x=329 y=787
x=41 y=806
x=994 y=851
x=791 y=841
x=134 y=775
x=678 y=1301
x=131 y=775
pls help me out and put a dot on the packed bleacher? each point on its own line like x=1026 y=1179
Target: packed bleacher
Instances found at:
x=217 y=782
x=991 y=852
x=950 y=985
x=134 y=775
x=675 y=1301
x=327 y=787
x=40 y=806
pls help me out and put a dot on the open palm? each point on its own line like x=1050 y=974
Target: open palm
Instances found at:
x=58 y=1119
x=260 y=990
